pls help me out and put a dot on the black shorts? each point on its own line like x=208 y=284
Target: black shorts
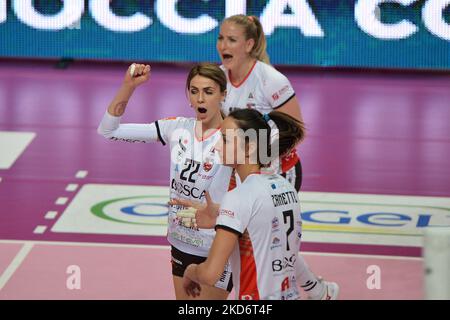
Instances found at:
x=295 y=175
x=180 y=261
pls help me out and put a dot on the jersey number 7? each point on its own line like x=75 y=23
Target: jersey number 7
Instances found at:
x=288 y=214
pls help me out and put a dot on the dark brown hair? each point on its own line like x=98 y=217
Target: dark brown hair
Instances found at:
x=210 y=71
x=291 y=130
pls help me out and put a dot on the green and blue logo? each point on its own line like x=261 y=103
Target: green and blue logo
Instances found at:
x=140 y=210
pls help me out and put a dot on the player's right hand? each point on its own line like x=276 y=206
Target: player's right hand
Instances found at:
x=191 y=288
x=205 y=214
x=141 y=74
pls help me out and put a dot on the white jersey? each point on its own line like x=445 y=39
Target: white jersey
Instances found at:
x=265 y=212
x=194 y=169
x=264 y=89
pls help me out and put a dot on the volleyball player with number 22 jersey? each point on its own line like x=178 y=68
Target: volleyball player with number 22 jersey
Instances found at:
x=194 y=167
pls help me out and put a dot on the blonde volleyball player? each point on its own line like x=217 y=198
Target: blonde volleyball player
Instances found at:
x=194 y=165
x=253 y=83
x=258 y=223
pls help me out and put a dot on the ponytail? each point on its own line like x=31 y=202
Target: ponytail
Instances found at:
x=260 y=49
x=290 y=130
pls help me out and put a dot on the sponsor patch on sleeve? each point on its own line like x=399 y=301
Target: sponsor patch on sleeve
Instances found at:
x=228 y=213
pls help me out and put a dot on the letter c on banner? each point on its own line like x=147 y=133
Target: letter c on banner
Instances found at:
x=70 y=14
x=433 y=17
x=101 y=12
x=366 y=18
x=3 y=14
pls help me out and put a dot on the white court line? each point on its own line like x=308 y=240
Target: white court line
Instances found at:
x=71 y=187
x=61 y=201
x=51 y=215
x=81 y=174
x=86 y=244
x=12 y=145
x=15 y=264
x=120 y=245
x=355 y=255
x=40 y=229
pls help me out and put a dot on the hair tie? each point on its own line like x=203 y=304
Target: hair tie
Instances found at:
x=266 y=117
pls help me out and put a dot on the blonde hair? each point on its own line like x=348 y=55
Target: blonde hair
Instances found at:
x=252 y=30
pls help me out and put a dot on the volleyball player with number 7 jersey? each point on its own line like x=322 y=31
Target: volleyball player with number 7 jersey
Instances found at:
x=258 y=226
x=254 y=84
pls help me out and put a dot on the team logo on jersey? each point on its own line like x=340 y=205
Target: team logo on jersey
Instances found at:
x=209 y=161
x=275 y=96
x=170 y=118
x=275 y=223
x=207 y=166
x=251 y=101
x=276 y=243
